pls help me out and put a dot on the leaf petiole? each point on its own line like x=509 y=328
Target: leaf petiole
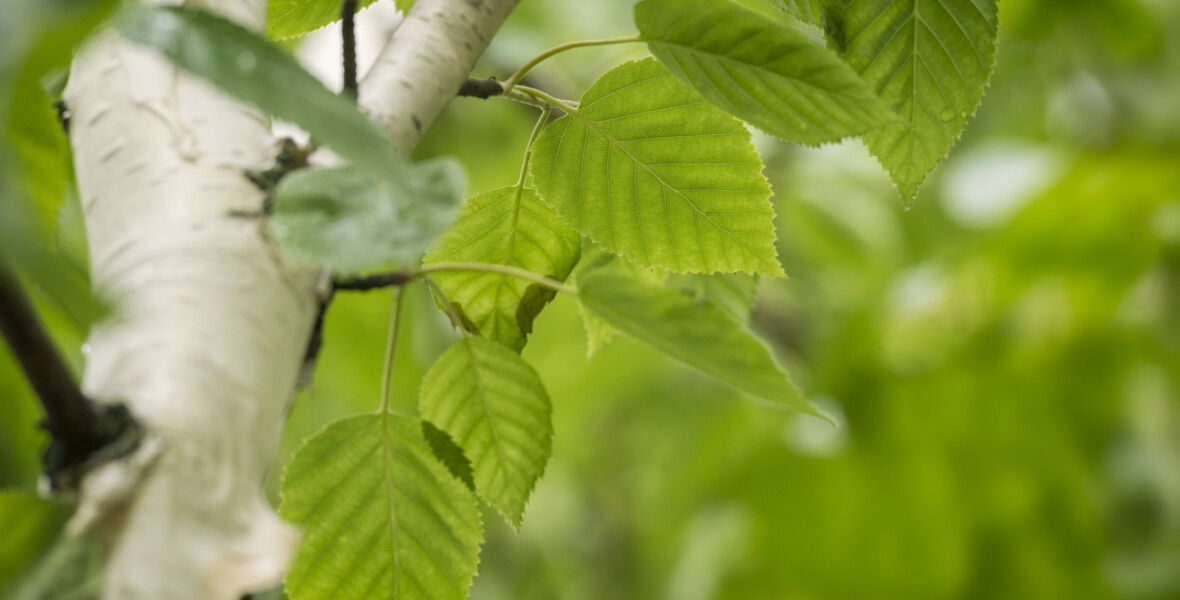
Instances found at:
x=528 y=149
x=391 y=346
x=533 y=95
x=520 y=73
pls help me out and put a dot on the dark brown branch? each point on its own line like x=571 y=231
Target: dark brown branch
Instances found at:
x=372 y=282
x=348 y=35
x=481 y=88
x=80 y=427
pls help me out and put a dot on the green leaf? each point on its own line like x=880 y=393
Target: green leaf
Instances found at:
x=827 y=15
x=700 y=335
x=381 y=517
x=807 y=11
x=733 y=294
x=41 y=147
x=71 y=569
x=351 y=221
x=599 y=332
x=250 y=68
x=929 y=60
x=290 y=18
x=508 y=226
x=650 y=171
x=449 y=453
x=764 y=72
x=494 y=406
x=29 y=525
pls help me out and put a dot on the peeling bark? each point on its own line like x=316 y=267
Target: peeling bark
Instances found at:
x=211 y=322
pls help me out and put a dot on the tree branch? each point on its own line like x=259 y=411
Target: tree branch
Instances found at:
x=79 y=426
x=481 y=88
x=348 y=39
x=426 y=62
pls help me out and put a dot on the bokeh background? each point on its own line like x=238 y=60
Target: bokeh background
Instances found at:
x=1002 y=356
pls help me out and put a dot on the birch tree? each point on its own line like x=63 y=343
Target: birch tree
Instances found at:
x=218 y=247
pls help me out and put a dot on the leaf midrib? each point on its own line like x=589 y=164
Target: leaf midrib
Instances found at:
x=480 y=391
x=618 y=144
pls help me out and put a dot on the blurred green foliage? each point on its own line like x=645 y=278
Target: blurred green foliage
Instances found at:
x=1003 y=359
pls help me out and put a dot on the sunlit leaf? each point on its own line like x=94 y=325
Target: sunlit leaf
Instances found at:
x=700 y=335
x=250 y=68
x=381 y=517
x=495 y=408
x=289 y=18
x=929 y=60
x=764 y=72
x=650 y=171
x=351 y=221
x=508 y=226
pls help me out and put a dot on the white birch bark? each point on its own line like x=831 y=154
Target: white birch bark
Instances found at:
x=211 y=323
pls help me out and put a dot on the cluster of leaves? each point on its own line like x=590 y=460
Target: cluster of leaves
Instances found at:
x=647 y=187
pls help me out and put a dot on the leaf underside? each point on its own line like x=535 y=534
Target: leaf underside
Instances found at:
x=381 y=517
x=494 y=407
x=699 y=334
x=509 y=226
x=764 y=72
x=649 y=170
x=346 y=219
x=929 y=60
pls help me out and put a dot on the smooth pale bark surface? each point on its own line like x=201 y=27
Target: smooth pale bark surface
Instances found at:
x=211 y=323
x=426 y=61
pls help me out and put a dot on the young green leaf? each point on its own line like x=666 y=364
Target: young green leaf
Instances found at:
x=764 y=72
x=508 y=226
x=250 y=68
x=495 y=408
x=381 y=517
x=929 y=60
x=697 y=334
x=650 y=171
x=351 y=221
x=290 y=18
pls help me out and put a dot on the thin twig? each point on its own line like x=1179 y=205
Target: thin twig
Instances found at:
x=520 y=73
x=79 y=426
x=348 y=38
x=372 y=282
x=481 y=88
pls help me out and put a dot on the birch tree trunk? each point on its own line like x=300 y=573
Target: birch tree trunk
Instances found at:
x=210 y=322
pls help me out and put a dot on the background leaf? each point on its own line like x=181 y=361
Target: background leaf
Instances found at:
x=290 y=18
x=351 y=221
x=29 y=525
x=699 y=335
x=494 y=406
x=250 y=68
x=650 y=171
x=382 y=518
x=509 y=226
x=929 y=60
x=764 y=72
